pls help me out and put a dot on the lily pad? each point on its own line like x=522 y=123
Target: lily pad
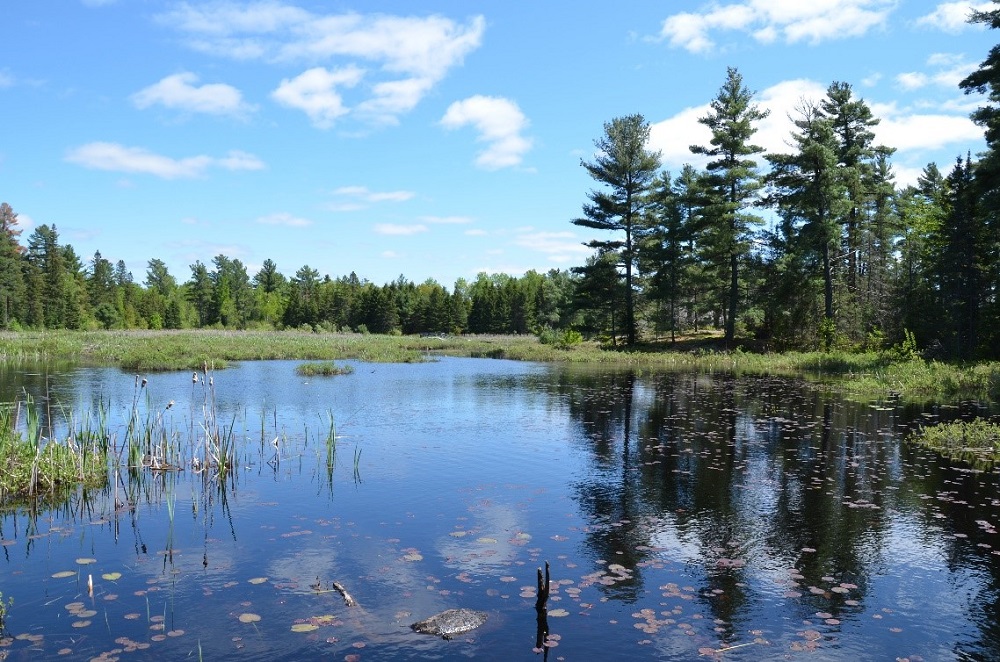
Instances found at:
x=304 y=627
x=112 y=576
x=258 y=580
x=250 y=618
x=84 y=561
x=64 y=573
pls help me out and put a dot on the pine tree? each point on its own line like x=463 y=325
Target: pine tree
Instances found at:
x=733 y=183
x=627 y=168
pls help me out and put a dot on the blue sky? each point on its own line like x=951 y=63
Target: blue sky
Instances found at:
x=435 y=139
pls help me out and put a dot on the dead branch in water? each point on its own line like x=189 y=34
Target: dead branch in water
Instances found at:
x=348 y=598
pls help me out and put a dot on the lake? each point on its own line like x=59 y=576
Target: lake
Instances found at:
x=682 y=516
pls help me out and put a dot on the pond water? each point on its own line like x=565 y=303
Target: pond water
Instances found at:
x=682 y=516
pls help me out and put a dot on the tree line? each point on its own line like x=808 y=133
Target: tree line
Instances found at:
x=813 y=248
x=848 y=259
x=45 y=285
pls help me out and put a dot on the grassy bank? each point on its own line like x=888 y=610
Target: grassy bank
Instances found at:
x=871 y=373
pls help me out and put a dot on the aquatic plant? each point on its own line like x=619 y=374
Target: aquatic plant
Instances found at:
x=976 y=441
x=323 y=369
x=5 y=606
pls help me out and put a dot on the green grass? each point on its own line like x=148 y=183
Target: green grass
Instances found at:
x=976 y=442
x=323 y=369
x=868 y=374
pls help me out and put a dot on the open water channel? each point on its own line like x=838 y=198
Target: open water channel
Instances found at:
x=683 y=517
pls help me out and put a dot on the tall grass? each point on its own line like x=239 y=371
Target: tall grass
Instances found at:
x=976 y=442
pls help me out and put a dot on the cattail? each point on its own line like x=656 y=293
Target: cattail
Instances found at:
x=90 y=584
x=170 y=404
x=143 y=385
x=194 y=378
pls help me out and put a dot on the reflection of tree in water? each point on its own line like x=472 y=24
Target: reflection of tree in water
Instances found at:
x=726 y=471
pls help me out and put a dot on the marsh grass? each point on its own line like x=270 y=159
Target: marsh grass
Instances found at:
x=323 y=369
x=976 y=442
x=864 y=373
x=36 y=467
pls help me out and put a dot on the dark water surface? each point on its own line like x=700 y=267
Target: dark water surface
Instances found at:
x=683 y=517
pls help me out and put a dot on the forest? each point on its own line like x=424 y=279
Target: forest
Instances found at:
x=816 y=248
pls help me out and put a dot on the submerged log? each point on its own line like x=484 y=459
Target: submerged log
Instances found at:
x=348 y=598
x=450 y=622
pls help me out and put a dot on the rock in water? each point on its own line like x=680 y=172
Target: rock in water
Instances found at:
x=450 y=622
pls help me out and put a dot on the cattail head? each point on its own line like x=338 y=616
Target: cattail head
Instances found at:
x=194 y=377
x=144 y=381
x=170 y=404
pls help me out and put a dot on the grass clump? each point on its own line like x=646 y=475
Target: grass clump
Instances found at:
x=33 y=466
x=323 y=369
x=976 y=442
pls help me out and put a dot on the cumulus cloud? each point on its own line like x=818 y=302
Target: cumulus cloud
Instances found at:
x=910 y=130
x=315 y=92
x=500 y=124
x=447 y=220
x=120 y=158
x=366 y=195
x=767 y=21
x=399 y=230
x=560 y=247
x=402 y=57
x=181 y=92
x=948 y=70
x=284 y=219
x=953 y=17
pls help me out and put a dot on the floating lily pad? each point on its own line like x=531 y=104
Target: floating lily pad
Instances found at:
x=558 y=613
x=413 y=556
x=304 y=627
x=64 y=573
x=83 y=561
x=249 y=618
x=80 y=624
x=258 y=580
x=486 y=540
x=112 y=576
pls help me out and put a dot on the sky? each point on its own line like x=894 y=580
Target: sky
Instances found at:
x=434 y=139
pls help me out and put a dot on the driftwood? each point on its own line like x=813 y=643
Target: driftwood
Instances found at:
x=348 y=598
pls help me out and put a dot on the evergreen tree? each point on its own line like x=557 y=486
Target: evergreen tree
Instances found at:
x=627 y=168
x=11 y=269
x=48 y=283
x=200 y=293
x=810 y=193
x=733 y=183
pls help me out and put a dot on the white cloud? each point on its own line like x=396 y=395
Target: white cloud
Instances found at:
x=180 y=92
x=403 y=56
x=447 y=220
x=953 y=17
x=399 y=230
x=909 y=131
x=120 y=158
x=675 y=135
x=363 y=193
x=561 y=247
x=499 y=122
x=284 y=219
x=768 y=20
x=314 y=91
x=948 y=71
x=6 y=80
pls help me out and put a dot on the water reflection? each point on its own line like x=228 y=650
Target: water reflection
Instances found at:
x=683 y=515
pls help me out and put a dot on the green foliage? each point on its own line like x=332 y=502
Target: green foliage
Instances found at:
x=976 y=442
x=323 y=369
x=561 y=339
x=5 y=607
